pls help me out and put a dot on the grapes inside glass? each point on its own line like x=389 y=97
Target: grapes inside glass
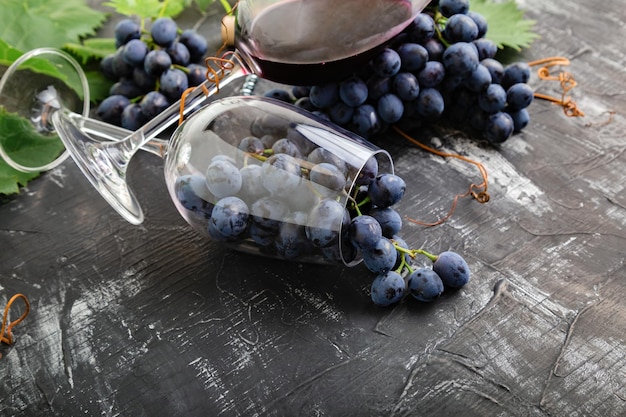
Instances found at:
x=56 y=104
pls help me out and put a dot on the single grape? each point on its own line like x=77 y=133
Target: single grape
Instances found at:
x=517 y=72
x=173 y=83
x=413 y=56
x=387 y=289
x=451 y=7
x=386 y=63
x=324 y=95
x=366 y=120
x=321 y=155
x=435 y=49
x=460 y=28
x=390 y=108
x=386 y=190
x=405 y=86
x=493 y=99
x=425 y=285
x=251 y=145
x=287 y=147
x=479 y=79
x=267 y=212
x=364 y=231
x=126 y=30
x=452 y=269
x=481 y=23
x=389 y=219
x=430 y=103
x=325 y=222
x=223 y=178
x=186 y=191
x=291 y=240
x=368 y=173
x=179 y=54
x=460 y=58
x=281 y=174
x=196 y=74
x=106 y=67
x=499 y=127
x=111 y=108
x=143 y=80
x=135 y=52
x=230 y=217
x=327 y=179
x=157 y=61
x=125 y=87
x=353 y=91
x=132 y=117
x=153 y=103
x=121 y=68
x=422 y=29
x=381 y=257
x=431 y=75
x=340 y=113
x=377 y=87
x=196 y=44
x=486 y=48
x=164 y=31
x=521 y=118
x=495 y=69
x=519 y=96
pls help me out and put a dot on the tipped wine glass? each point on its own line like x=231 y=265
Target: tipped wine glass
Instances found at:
x=327 y=42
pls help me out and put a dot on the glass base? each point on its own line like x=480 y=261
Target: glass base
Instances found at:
x=103 y=163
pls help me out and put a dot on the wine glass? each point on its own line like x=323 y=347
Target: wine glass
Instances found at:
x=328 y=41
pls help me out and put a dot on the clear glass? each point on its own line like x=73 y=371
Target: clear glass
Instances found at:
x=310 y=42
x=222 y=132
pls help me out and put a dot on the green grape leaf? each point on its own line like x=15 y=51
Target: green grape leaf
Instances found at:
x=149 y=8
x=507 y=26
x=99 y=86
x=30 y=24
x=26 y=147
x=92 y=48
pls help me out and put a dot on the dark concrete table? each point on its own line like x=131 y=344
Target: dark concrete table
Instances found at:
x=152 y=320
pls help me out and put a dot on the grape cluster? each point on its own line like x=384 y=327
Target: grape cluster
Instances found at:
x=440 y=69
x=151 y=69
x=273 y=188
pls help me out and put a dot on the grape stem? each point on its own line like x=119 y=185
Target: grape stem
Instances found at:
x=413 y=252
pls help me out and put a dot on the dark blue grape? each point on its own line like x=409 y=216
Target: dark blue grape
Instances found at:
x=430 y=103
x=299 y=91
x=389 y=219
x=518 y=72
x=196 y=74
x=486 y=48
x=381 y=257
x=134 y=52
x=111 y=108
x=422 y=29
x=281 y=174
x=262 y=236
x=164 y=31
x=341 y=113
x=493 y=99
x=425 y=285
x=324 y=95
x=452 y=269
x=251 y=144
x=173 y=83
x=386 y=63
x=387 y=289
x=325 y=222
x=179 y=54
x=368 y=173
x=196 y=44
x=460 y=58
x=157 y=61
x=435 y=49
x=125 y=87
x=364 y=231
x=413 y=56
x=186 y=189
x=291 y=240
x=386 y=190
x=126 y=30
x=521 y=118
x=405 y=86
x=479 y=79
x=230 y=217
x=106 y=67
x=481 y=23
x=327 y=179
x=267 y=212
x=353 y=91
x=153 y=103
x=120 y=67
x=390 y=108
x=519 y=96
x=143 y=80
x=495 y=69
x=460 y=28
x=499 y=127
x=287 y=147
x=323 y=155
x=378 y=87
x=452 y=7
x=366 y=121
x=132 y=117
x=431 y=75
